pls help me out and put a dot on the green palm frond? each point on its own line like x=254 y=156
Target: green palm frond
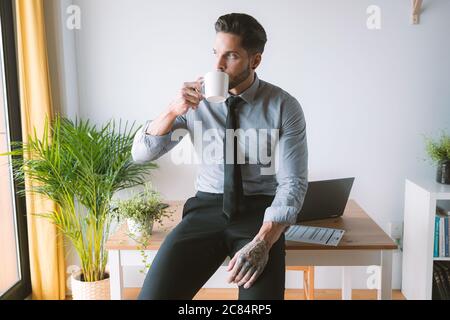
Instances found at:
x=76 y=162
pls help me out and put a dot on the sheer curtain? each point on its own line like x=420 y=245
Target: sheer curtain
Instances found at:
x=47 y=264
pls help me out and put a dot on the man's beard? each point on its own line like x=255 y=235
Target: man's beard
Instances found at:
x=239 y=78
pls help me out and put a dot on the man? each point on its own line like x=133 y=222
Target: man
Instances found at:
x=237 y=211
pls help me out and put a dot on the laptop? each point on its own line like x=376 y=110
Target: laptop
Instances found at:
x=325 y=199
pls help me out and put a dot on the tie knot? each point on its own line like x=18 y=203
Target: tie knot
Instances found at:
x=232 y=101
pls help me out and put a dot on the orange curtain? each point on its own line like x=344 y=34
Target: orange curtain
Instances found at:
x=45 y=242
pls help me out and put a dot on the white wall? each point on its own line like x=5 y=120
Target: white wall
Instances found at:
x=367 y=95
x=62 y=58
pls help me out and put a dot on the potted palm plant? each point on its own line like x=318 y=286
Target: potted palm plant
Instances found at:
x=80 y=166
x=439 y=152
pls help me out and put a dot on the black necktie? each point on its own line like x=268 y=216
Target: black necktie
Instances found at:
x=233 y=190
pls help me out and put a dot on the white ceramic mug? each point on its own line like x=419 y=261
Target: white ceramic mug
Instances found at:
x=215 y=86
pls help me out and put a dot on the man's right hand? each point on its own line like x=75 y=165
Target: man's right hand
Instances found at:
x=188 y=97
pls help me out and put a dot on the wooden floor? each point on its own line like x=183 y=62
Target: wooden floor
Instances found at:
x=291 y=294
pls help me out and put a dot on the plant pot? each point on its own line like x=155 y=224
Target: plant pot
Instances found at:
x=443 y=172
x=97 y=290
x=136 y=229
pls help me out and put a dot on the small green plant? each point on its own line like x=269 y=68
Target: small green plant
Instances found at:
x=438 y=150
x=144 y=209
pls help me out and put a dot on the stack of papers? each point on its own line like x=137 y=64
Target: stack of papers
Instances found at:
x=316 y=235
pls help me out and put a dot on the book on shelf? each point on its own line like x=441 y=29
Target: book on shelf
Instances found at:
x=436 y=236
x=441 y=234
x=441 y=237
x=446 y=253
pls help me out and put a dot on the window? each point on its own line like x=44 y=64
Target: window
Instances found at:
x=15 y=270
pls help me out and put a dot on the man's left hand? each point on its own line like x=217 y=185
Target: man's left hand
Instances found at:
x=249 y=262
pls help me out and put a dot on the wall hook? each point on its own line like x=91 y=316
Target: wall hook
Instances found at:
x=416 y=10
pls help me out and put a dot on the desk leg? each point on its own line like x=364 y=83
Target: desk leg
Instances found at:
x=115 y=276
x=346 y=283
x=385 y=291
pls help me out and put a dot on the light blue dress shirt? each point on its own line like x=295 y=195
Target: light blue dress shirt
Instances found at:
x=266 y=109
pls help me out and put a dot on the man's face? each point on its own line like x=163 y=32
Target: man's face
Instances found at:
x=231 y=58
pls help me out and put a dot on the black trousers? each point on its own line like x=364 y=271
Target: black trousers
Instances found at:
x=194 y=250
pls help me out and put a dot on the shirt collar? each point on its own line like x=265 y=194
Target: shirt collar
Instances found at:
x=249 y=95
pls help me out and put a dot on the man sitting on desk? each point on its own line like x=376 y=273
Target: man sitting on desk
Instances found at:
x=237 y=211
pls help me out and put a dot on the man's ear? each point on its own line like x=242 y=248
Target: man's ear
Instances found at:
x=256 y=60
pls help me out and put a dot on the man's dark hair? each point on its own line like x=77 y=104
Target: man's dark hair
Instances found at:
x=253 y=36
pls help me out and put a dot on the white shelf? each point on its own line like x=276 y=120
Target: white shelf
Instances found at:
x=421 y=198
x=441 y=258
x=438 y=190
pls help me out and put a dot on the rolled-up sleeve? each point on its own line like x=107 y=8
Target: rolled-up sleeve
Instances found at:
x=292 y=173
x=147 y=147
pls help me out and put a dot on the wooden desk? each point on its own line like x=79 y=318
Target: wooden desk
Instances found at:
x=363 y=244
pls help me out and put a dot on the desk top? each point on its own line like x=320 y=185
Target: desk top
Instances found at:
x=361 y=232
